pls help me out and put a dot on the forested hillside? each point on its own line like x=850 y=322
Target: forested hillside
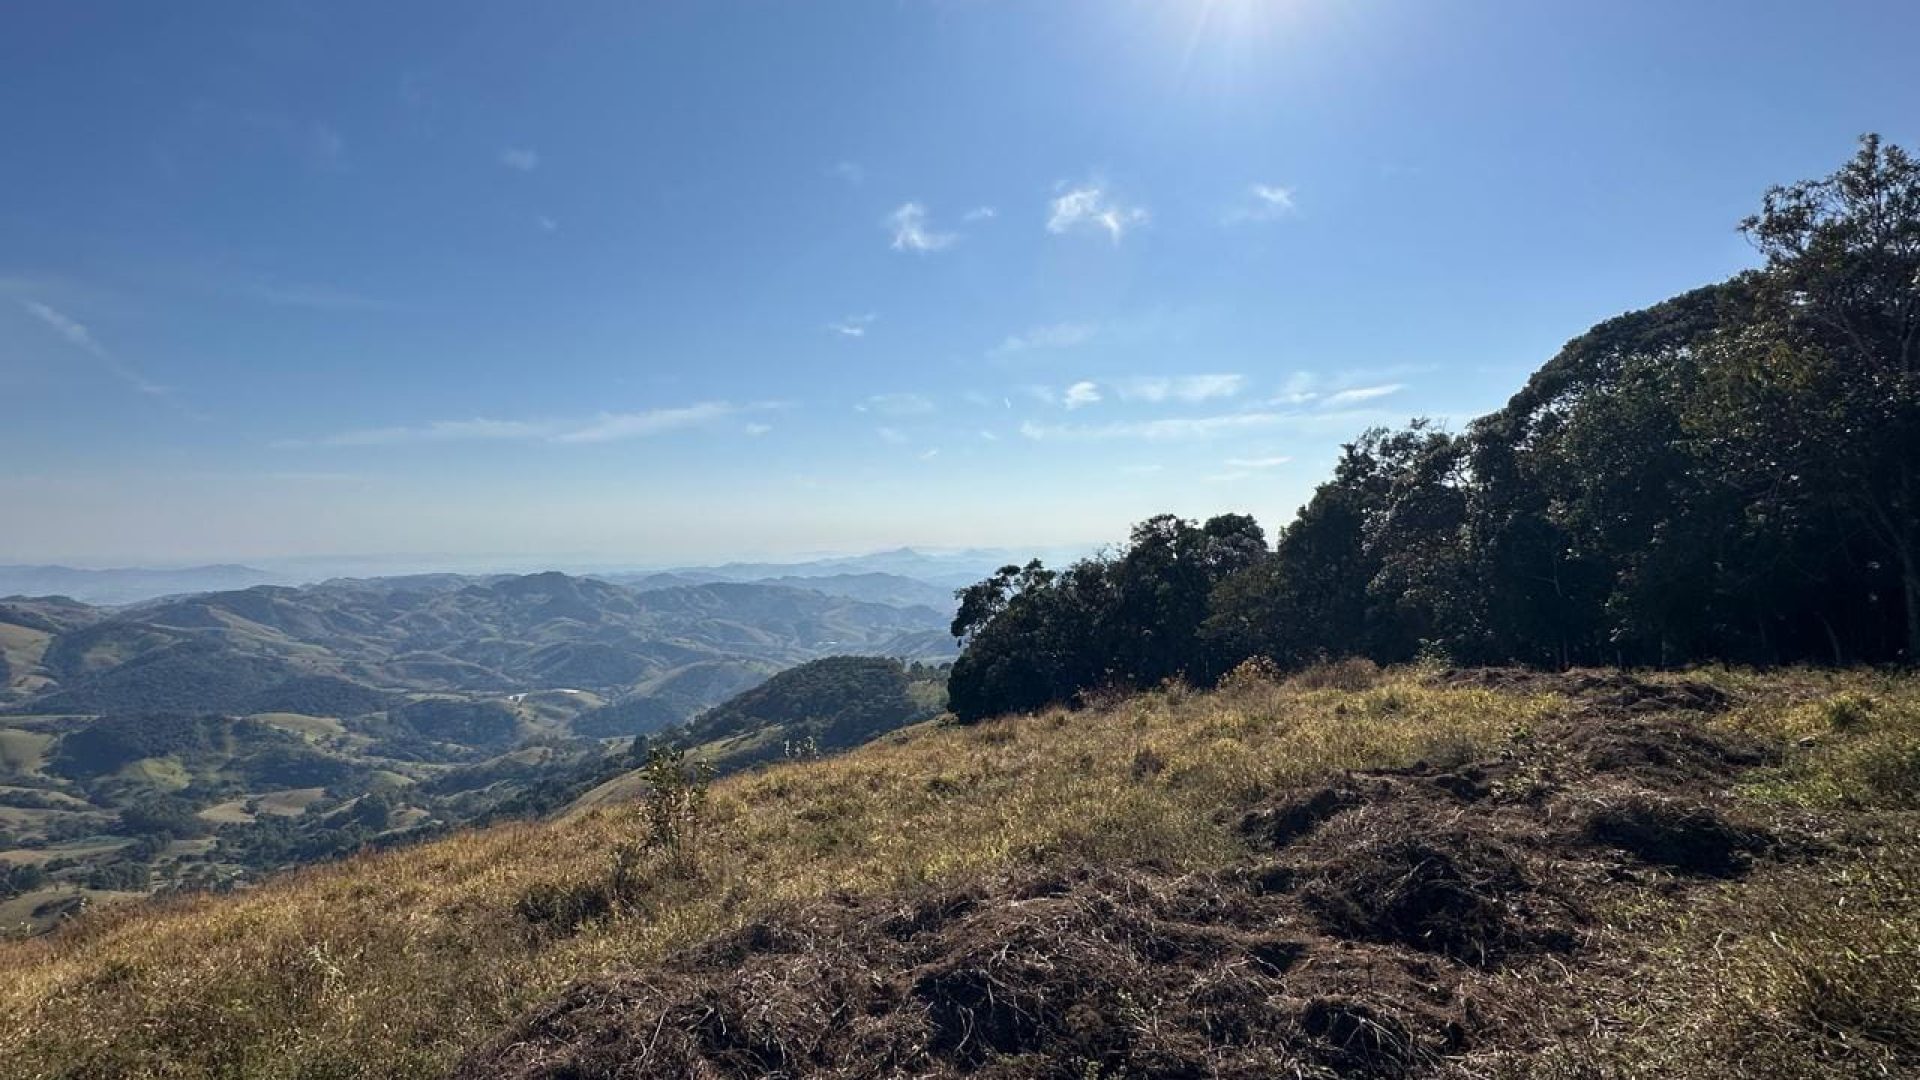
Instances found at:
x=1733 y=474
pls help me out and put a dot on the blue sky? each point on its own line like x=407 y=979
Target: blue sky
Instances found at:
x=661 y=282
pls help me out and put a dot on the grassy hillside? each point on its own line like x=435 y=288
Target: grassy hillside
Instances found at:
x=1595 y=837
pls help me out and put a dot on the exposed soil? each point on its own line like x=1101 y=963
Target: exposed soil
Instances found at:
x=1359 y=939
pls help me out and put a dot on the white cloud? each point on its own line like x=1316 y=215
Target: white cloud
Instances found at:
x=1055 y=336
x=546 y=223
x=989 y=436
x=929 y=455
x=911 y=232
x=853 y=325
x=980 y=213
x=1091 y=207
x=1188 y=388
x=1362 y=393
x=604 y=427
x=850 y=171
x=757 y=429
x=1181 y=429
x=890 y=436
x=896 y=404
x=520 y=159
x=77 y=335
x=1081 y=393
x=75 y=332
x=1257 y=463
x=1264 y=202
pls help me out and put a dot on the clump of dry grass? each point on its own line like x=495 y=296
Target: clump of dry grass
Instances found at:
x=1808 y=971
x=391 y=965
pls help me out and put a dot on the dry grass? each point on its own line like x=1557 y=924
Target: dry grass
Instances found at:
x=390 y=965
x=393 y=965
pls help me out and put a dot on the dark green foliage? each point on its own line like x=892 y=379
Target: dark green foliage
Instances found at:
x=111 y=742
x=468 y=723
x=19 y=878
x=625 y=719
x=1733 y=474
x=839 y=702
x=163 y=817
x=190 y=674
x=1035 y=637
x=319 y=695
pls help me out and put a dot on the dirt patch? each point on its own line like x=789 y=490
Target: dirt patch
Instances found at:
x=1290 y=819
x=1093 y=973
x=1666 y=752
x=1456 y=890
x=1686 y=836
x=1613 y=690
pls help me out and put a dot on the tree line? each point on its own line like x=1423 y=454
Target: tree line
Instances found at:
x=1732 y=474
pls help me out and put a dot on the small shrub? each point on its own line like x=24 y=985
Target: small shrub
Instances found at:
x=674 y=806
x=1254 y=671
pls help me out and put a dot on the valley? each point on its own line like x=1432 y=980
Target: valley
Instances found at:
x=198 y=742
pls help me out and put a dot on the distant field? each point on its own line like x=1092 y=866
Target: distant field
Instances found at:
x=88 y=847
x=233 y=812
x=17 y=917
x=23 y=751
x=316 y=727
x=23 y=647
x=284 y=803
x=291 y=802
x=162 y=773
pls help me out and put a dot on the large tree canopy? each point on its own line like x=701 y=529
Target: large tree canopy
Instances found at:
x=1731 y=474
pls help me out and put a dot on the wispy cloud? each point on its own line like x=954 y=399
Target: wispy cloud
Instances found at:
x=756 y=429
x=929 y=455
x=1188 y=388
x=600 y=428
x=1055 y=336
x=1361 y=393
x=546 y=224
x=1080 y=394
x=77 y=335
x=980 y=213
x=912 y=232
x=1092 y=208
x=1263 y=202
x=520 y=159
x=1189 y=428
x=896 y=405
x=1257 y=463
x=891 y=436
x=612 y=427
x=853 y=325
x=850 y=171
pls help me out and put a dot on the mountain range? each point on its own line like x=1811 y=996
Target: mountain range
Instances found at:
x=258 y=649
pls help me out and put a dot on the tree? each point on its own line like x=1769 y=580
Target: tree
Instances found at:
x=1815 y=406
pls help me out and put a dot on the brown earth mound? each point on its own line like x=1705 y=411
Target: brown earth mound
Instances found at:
x=1616 y=690
x=1360 y=941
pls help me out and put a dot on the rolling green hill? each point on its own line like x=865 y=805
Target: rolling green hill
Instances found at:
x=274 y=714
